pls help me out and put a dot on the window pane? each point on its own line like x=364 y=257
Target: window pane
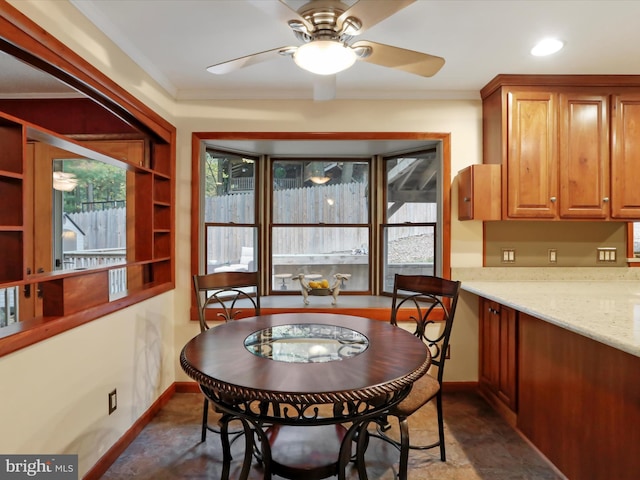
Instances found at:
x=320 y=191
x=230 y=249
x=412 y=215
x=408 y=250
x=229 y=188
x=9 y=306
x=229 y=213
x=320 y=252
x=90 y=218
x=413 y=188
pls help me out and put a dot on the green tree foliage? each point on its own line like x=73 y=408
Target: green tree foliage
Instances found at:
x=97 y=182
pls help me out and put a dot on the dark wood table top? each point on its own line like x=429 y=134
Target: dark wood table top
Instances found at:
x=218 y=359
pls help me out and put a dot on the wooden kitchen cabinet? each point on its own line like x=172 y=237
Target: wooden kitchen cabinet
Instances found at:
x=578 y=401
x=583 y=155
x=498 y=356
x=625 y=167
x=532 y=158
x=479 y=192
x=567 y=144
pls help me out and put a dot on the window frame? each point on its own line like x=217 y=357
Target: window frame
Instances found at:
x=270 y=286
x=199 y=139
x=232 y=224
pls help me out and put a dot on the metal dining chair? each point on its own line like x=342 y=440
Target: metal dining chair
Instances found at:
x=234 y=295
x=430 y=303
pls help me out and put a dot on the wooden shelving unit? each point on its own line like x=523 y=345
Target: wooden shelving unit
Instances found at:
x=162 y=213
x=149 y=222
x=11 y=187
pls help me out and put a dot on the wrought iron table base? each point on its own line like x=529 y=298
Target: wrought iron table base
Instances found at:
x=254 y=419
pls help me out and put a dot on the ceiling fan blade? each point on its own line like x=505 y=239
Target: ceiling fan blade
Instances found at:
x=280 y=10
x=409 y=61
x=324 y=87
x=238 y=63
x=371 y=13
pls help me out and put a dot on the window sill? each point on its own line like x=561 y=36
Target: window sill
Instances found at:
x=371 y=306
x=22 y=334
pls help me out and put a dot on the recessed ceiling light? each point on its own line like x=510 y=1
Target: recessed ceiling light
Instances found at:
x=545 y=47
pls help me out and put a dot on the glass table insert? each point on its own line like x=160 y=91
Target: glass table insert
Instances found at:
x=306 y=343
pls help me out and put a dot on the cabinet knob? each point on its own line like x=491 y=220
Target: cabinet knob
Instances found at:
x=605 y=199
x=553 y=199
x=466 y=199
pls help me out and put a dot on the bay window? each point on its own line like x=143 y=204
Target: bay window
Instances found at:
x=292 y=205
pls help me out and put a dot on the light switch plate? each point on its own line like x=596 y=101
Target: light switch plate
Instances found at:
x=508 y=255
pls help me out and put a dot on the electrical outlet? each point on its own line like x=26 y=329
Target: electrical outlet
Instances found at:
x=508 y=255
x=606 y=255
x=553 y=255
x=113 y=401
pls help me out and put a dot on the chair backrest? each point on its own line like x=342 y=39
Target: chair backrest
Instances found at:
x=431 y=303
x=224 y=290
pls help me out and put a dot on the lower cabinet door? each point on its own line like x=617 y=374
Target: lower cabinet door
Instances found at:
x=498 y=352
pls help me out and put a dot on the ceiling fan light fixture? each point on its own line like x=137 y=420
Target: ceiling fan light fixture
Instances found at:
x=64 y=182
x=320 y=180
x=324 y=57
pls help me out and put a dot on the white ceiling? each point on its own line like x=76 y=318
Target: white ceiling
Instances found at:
x=175 y=40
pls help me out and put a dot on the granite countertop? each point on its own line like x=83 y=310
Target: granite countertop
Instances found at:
x=603 y=306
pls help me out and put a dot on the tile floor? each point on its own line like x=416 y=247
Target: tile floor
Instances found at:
x=480 y=445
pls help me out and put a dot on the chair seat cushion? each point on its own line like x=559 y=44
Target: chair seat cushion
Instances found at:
x=423 y=390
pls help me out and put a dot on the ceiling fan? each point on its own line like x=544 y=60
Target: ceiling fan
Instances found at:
x=327 y=28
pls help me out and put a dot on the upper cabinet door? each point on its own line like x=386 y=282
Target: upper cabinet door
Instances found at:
x=584 y=156
x=625 y=159
x=532 y=161
x=479 y=192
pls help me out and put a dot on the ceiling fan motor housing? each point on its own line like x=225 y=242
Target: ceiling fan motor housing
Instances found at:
x=323 y=16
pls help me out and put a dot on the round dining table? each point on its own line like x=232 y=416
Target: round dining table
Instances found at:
x=277 y=373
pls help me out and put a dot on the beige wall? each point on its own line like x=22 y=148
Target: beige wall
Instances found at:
x=575 y=243
x=54 y=393
x=136 y=350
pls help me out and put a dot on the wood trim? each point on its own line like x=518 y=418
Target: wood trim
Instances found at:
x=320 y=135
x=453 y=387
x=24 y=333
x=507 y=80
x=102 y=465
x=446 y=205
x=196 y=219
x=630 y=226
x=187 y=387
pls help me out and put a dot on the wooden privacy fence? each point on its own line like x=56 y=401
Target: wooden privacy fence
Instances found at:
x=321 y=204
x=102 y=228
